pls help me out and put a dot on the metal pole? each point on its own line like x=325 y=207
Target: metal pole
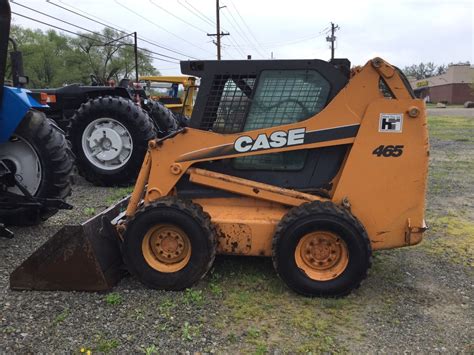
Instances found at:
x=218 y=31
x=332 y=40
x=135 y=48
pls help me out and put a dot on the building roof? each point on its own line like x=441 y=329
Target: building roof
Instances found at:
x=456 y=74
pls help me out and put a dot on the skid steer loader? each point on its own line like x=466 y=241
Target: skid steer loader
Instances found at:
x=304 y=161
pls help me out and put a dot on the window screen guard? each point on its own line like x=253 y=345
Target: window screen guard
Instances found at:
x=283 y=97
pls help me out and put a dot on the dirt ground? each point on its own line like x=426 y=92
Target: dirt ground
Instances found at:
x=418 y=299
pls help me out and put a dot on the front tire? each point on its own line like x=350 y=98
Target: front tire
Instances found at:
x=169 y=244
x=39 y=156
x=320 y=249
x=109 y=137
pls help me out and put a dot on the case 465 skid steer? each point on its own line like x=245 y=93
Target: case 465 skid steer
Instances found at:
x=303 y=161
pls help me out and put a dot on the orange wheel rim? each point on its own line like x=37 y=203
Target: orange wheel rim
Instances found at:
x=322 y=255
x=166 y=248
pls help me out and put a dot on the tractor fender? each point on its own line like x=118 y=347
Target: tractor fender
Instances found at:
x=15 y=104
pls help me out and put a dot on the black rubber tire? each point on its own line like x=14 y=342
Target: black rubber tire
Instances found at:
x=324 y=216
x=188 y=216
x=56 y=162
x=182 y=120
x=137 y=122
x=163 y=117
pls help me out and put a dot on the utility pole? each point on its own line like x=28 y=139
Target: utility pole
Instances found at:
x=135 y=49
x=332 y=38
x=218 y=33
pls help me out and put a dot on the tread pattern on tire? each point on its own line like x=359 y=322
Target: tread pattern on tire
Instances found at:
x=128 y=111
x=56 y=163
x=318 y=207
x=194 y=211
x=163 y=117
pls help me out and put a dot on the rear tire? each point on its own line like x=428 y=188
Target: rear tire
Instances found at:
x=38 y=153
x=320 y=249
x=109 y=137
x=163 y=118
x=169 y=244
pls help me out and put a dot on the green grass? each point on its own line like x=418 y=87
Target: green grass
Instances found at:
x=452 y=239
x=261 y=314
x=448 y=128
x=113 y=298
x=451 y=178
x=61 y=317
x=118 y=194
x=193 y=297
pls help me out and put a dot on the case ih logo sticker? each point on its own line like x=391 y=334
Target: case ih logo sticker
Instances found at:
x=391 y=122
x=277 y=139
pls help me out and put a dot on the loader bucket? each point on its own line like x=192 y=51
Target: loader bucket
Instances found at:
x=82 y=257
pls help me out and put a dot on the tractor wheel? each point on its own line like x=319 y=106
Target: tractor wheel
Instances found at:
x=182 y=120
x=169 y=244
x=320 y=249
x=109 y=137
x=163 y=118
x=38 y=155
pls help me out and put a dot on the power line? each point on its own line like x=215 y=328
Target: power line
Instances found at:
x=114 y=27
x=241 y=34
x=179 y=18
x=55 y=18
x=94 y=32
x=236 y=46
x=195 y=14
x=286 y=43
x=90 y=38
x=200 y=15
x=245 y=23
x=206 y=18
x=158 y=26
x=57 y=27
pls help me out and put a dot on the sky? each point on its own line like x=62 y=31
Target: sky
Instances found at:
x=402 y=32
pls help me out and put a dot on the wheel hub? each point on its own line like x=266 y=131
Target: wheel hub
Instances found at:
x=168 y=245
x=321 y=251
x=107 y=143
x=166 y=248
x=22 y=160
x=321 y=255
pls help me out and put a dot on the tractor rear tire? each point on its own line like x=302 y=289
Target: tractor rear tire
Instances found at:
x=169 y=244
x=109 y=137
x=39 y=154
x=320 y=249
x=163 y=117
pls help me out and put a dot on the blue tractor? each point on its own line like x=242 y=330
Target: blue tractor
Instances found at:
x=35 y=161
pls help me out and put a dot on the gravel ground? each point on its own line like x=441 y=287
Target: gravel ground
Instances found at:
x=417 y=299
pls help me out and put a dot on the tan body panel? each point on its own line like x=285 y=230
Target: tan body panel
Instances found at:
x=385 y=193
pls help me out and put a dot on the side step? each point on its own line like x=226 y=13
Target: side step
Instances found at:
x=82 y=257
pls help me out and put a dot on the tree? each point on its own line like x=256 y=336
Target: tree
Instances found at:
x=111 y=56
x=423 y=71
x=420 y=71
x=52 y=59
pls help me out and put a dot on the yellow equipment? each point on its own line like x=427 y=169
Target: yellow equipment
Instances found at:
x=304 y=161
x=173 y=102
